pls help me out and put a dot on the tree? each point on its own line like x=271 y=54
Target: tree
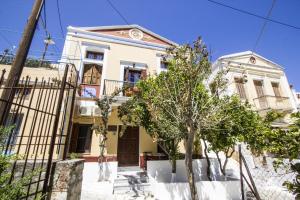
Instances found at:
x=135 y=112
x=177 y=104
x=101 y=128
x=284 y=144
x=241 y=124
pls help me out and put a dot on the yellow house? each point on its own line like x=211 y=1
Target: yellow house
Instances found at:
x=260 y=81
x=108 y=57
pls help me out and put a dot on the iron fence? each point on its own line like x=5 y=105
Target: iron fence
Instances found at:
x=40 y=112
x=260 y=180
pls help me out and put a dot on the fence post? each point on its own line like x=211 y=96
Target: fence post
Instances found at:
x=70 y=126
x=55 y=128
x=241 y=172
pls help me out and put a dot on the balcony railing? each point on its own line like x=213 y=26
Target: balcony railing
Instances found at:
x=111 y=86
x=272 y=102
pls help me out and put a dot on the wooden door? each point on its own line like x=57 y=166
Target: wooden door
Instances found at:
x=92 y=74
x=128 y=147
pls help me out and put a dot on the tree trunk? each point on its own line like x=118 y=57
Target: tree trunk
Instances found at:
x=220 y=163
x=174 y=152
x=208 y=161
x=173 y=178
x=189 y=164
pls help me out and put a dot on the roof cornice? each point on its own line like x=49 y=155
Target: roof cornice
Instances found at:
x=125 y=27
x=72 y=31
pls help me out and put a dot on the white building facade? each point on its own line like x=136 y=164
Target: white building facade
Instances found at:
x=259 y=81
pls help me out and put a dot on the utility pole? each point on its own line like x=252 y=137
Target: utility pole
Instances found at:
x=18 y=64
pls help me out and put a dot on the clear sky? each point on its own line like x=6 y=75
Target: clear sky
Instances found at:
x=224 y=30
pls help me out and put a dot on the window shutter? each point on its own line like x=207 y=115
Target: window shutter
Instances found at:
x=240 y=88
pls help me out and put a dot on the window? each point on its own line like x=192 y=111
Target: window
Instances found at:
x=132 y=75
x=84 y=139
x=259 y=88
x=94 y=55
x=92 y=74
x=240 y=87
x=276 y=90
x=164 y=65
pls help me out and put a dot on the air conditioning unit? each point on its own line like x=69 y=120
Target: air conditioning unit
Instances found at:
x=85 y=110
x=97 y=111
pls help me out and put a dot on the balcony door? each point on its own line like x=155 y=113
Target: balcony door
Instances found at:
x=260 y=93
x=92 y=74
x=91 y=80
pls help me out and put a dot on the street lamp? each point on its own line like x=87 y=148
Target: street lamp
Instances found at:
x=48 y=41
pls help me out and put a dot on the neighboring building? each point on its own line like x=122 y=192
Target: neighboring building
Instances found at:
x=29 y=103
x=108 y=57
x=260 y=81
x=298 y=98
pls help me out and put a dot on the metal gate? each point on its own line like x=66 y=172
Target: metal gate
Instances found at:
x=40 y=115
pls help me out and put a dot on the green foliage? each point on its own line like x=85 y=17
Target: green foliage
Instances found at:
x=284 y=144
x=294 y=186
x=16 y=187
x=105 y=105
x=74 y=156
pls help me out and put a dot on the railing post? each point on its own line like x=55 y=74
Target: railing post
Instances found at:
x=241 y=172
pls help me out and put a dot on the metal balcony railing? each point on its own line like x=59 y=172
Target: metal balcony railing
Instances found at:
x=272 y=102
x=111 y=86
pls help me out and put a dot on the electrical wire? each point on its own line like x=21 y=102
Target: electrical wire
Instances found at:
x=119 y=13
x=59 y=18
x=6 y=40
x=254 y=15
x=264 y=26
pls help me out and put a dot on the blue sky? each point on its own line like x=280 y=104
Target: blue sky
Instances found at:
x=225 y=31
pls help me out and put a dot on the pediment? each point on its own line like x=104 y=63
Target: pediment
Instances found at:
x=251 y=59
x=131 y=32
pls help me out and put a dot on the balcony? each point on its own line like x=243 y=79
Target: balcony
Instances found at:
x=268 y=102
x=127 y=89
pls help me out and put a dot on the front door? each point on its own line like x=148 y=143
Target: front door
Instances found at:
x=128 y=147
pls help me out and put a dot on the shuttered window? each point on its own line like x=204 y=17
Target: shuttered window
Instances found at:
x=259 y=88
x=276 y=90
x=92 y=74
x=240 y=88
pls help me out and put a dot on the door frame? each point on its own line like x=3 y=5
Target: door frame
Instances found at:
x=138 y=153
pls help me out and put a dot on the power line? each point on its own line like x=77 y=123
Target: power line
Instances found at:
x=255 y=15
x=37 y=34
x=6 y=40
x=59 y=18
x=264 y=26
x=119 y=13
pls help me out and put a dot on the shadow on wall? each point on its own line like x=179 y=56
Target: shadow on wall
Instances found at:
x=160 y=178
x=161 y=170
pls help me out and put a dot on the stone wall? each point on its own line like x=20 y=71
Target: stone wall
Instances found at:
x=67 y=180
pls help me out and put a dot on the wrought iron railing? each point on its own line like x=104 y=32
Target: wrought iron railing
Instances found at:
x=272 y=102
x=127 y=88
x=42 y=126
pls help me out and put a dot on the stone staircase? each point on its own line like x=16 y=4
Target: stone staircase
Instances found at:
x=134 y=183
